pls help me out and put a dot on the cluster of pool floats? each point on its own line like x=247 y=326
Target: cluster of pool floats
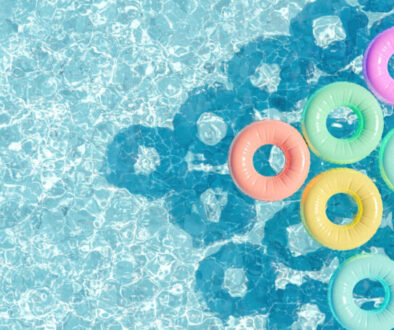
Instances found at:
x=334 y=181
x=185 y=191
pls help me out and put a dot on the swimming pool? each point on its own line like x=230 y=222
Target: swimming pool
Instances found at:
x=117 y=210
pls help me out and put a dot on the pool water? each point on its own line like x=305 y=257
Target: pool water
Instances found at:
x=117 y=209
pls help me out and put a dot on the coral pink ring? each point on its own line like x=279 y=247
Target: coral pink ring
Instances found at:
x=269 y=188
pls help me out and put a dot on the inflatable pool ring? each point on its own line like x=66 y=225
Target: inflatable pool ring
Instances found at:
x=375 y=66
x=294 y=148
x=314 y=202
x=370 y=122
x=386 y=159
x=342 y=283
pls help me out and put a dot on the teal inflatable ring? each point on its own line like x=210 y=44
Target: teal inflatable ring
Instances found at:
x=386 y=159
x=342 y=283
x=370 y=123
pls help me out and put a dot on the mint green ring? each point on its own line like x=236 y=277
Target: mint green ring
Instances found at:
x=370 y=123
x=340 y=292
x=386 y=159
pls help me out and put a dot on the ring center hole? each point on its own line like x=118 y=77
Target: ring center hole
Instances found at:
x=391 y=66
x=268 y=160
x=368 y=294
x=341 y=209
x=342 y=123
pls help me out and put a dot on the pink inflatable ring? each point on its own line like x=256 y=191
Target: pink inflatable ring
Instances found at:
x=269 y=188
x=375 y=66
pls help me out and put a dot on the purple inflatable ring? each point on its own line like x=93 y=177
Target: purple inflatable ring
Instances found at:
x=375 y=66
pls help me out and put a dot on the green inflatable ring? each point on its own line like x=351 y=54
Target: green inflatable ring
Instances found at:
x=370 y=122
x=340 y=292
x=386 y=159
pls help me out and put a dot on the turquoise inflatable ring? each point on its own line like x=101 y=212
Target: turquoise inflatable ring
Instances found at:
x=340 y=296
x=370 y=123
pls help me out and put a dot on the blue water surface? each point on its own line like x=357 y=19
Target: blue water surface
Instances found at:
x=117 y=209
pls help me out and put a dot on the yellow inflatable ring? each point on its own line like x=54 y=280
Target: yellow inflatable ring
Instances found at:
x=314 y=202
